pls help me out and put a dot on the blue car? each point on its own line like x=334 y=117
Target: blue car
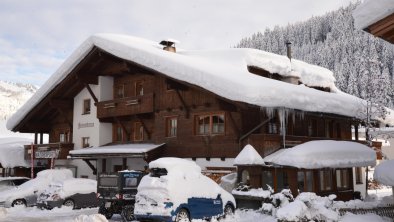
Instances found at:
x=175 y=190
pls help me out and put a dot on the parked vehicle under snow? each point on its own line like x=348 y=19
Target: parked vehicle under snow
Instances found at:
x=175 y=190
x=74 y=193
x=27 y=193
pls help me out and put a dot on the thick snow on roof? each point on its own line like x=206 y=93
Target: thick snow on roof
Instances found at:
x=324 y=154
x=119 y=148
x=12 y=152
x=175 y=164
x=223 y=72
x=384 y=173
x=248 y=156
x=371 y=11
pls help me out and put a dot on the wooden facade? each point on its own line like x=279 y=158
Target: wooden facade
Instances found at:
x=150 y=107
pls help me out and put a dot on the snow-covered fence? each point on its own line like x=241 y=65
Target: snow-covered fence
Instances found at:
x=384 y=211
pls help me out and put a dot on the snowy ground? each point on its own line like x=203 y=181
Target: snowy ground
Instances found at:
x=22 y=214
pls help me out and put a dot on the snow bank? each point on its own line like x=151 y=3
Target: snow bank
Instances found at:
x=248 y=156
x=259 y=192
x=324 y=153
x=371 y=11
x=3 y=212
x=384 y=173
x=223 y=72
x=294 y=211
x=349 y=217
x=228 y=181
x=91 y=218
x=12 y=152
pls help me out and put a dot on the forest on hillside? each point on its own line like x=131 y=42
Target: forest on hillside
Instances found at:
x=362 y=64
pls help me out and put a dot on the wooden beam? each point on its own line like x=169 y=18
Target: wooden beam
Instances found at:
x=123 y=128
x=91 y=94
x=62 y=103
x=187 y=111
x=91 y=166
x=235 y=127
x=144 y=126
x=62 y=113
x=114 y=69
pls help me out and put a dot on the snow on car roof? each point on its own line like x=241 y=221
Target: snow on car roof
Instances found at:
x=172 y=163
x=324 y=154
x=223 y=72
x=384 y=173
x=249 y=156
x=371 y=11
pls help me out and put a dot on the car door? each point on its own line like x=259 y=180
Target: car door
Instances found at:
x=201 y=208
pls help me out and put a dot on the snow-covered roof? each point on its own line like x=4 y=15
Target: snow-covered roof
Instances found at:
x=175 y=164
x=371 y=11
x=384 y=173
x=223 y=72
x=324 y=154
x=135 y=148
x=248 y=156
x=12 y=152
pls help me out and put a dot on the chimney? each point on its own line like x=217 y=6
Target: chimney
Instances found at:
x=169 y=45
x=288 y=47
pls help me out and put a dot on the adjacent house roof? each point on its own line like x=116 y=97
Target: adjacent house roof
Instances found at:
x=324 y=154
x=376 y=17
x=248 y=156
x=223 y=72
x=119 y=150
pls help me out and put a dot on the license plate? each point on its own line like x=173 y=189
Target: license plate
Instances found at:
x=107 y=204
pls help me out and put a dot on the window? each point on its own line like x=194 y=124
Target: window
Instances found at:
x=343 y=178
x=85 y=142
x=325 y=180
x=139 y=88
x=138 y=131
x=312 y=128
x=131 y=182
x=86 y=106
x=282 y=181
x=119 y=91
x=267 y=179
x=245 y=177
x=210 y=124
x=272 y=127
x=359 y=175
x=62 y=137
x=171 y=126
x=305 y=181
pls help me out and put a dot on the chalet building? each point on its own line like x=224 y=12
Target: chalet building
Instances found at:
x=119 y=102
x=376 y=17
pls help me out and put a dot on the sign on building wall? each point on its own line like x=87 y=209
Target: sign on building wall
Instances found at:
x=46 y=154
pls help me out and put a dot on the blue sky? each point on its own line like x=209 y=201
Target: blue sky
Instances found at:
x=37 y=35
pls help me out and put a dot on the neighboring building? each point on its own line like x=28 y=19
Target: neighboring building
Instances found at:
x=376 y=17
x=119 y=102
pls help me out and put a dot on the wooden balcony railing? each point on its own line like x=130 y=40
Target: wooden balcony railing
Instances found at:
x=125 y=106
x=49 y=151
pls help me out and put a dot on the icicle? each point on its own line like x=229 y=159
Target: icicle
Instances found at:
x=270 y=111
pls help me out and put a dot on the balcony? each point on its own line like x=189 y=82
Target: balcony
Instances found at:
x=125 y=106
x=49 y=151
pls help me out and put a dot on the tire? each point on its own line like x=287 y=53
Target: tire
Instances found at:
x=18 y=202
x=69 y=203
x=182 y=216
x=228 y=210
x=106 y=212
x=128 y=213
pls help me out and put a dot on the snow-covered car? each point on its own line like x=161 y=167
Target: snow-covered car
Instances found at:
x=7 y=183
x=74 y=193
x=175 y=190
x=27 y=193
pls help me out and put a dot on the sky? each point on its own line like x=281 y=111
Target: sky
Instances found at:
x=36 y=36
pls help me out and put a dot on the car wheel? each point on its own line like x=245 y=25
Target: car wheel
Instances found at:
x=69 y=203
x=18 y=202
x=104 y=211
x=182 y=216
x=128 y=212
x=228 y=210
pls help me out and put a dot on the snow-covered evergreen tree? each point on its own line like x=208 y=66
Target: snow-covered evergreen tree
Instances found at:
x=332 y=41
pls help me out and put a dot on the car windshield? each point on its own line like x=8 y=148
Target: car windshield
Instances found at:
x=158 y=172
